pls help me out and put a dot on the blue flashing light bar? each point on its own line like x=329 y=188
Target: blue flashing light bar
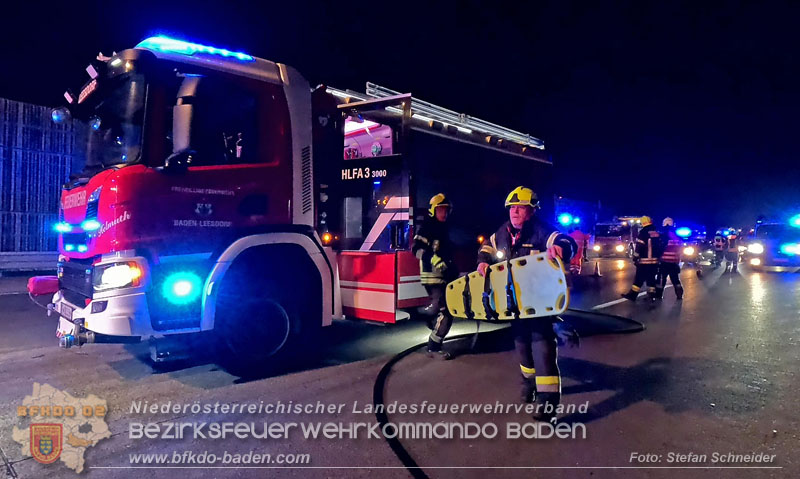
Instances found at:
x=576 y=220
x=165 y=44
x=795 y=221
x=90 y=225
x=565 y=219
x=683 y=232
x=62 y=227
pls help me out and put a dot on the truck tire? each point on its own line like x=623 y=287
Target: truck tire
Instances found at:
x=265 y=322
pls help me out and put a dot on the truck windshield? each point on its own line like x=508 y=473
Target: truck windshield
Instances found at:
x=777 y=232
x=610 y=230
x=114 y=122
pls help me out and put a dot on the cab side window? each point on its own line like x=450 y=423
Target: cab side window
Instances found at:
x=225 y=125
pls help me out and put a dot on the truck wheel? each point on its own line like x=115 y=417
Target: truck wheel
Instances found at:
x=262 y=334
x=266 y=325
x=258 y=335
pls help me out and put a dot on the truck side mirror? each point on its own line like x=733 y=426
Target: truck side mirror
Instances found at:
x=183 y=118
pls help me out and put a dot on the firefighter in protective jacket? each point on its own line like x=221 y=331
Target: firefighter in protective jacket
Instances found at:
x=719 y=248
x=732 y=251
x=433 y=248
x=649 y=247
x=535 y=339
x=670 y=259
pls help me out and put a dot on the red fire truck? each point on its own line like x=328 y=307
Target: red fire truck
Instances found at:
x=222 y=194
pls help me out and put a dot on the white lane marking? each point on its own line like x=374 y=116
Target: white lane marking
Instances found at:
x=13 y=293
x=622 y=300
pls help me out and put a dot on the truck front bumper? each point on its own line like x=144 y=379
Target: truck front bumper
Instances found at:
x=123 y=315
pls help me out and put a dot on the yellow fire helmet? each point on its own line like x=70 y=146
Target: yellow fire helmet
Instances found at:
x=522 y=196
x=439 y=200
x=667 y=222
x=646 y=220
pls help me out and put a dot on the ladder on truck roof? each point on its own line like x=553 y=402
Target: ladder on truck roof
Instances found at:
x=459 y=126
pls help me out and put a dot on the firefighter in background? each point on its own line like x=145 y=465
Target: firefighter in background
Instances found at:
x=670 y=259
x=647 y=252
x=535 y=339
x=582 y=239
x=433 y=248
x=732 y=252
x=719 y=248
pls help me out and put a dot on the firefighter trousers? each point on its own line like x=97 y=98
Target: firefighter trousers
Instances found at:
x=537 y=349
x=443 y=318
x=731 y=257
x=671 y=271
x=645 y=273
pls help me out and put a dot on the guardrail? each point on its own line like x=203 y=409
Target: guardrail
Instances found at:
x=29 y=261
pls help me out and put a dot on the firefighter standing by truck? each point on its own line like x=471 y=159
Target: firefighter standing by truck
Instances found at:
x=647 y=253
x=535 y=339
x=732 y=251
x=719 y=248
x=670 y=266
x=433 y=248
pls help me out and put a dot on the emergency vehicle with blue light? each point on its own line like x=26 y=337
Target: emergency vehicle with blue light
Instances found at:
x=223 y=195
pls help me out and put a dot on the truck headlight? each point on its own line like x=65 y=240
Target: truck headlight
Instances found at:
x=619 y=248
x=596 y=247
x=756 y=248
x=688 y=251
x=117 y=275
x=742 y=248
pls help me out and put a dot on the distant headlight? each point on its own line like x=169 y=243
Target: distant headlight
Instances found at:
x=742 y=248
x=755 y=261
x=596 y=247
x=619 y=248
x=756 y=248
x=688 y=251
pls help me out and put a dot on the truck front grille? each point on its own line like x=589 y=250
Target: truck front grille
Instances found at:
x=75 y=281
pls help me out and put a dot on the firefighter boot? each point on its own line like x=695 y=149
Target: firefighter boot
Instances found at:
x=679 y=292
x=659 y=294
x=630 y=295
x=528 y=394
x=652 y=295
x=435 y=351
x=546 y=405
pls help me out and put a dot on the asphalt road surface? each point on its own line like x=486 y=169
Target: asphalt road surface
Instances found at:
x=713 y=374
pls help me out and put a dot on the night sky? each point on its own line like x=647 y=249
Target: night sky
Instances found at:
x=682 y=108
